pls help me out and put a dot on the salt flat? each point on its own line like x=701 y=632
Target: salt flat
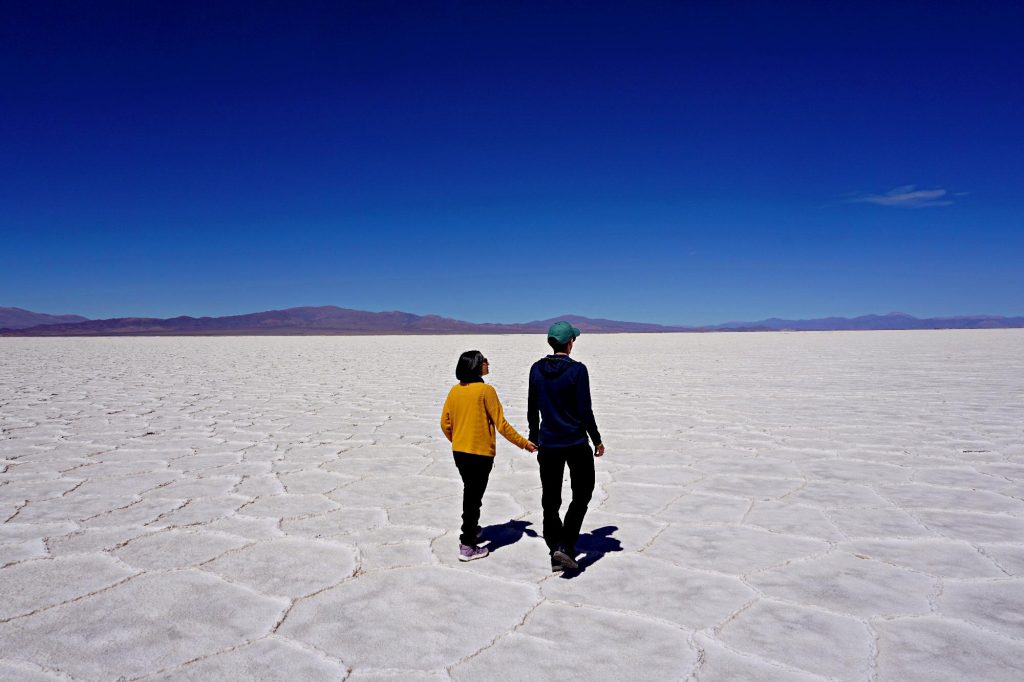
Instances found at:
x=843 y=506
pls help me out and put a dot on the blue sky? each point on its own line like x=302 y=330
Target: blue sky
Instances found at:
x=669 y=162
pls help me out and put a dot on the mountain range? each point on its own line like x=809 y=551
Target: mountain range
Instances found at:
x=19 y=318
x=328 y=320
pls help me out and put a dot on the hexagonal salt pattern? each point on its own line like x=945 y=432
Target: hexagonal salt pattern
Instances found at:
x=142 y=625
x=834 y=646
x=556 y=641
x=850 y=584
x=731 y=549
x=267 y=660
x=996 y=605
x=26 y=672
x=32 y=586
x=176 y=548
x=290 y=567
x=932 y=648
x=413 y=618
x=771 y=507
x=645 y=586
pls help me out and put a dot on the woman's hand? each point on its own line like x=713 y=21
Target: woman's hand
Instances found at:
x=530 y=447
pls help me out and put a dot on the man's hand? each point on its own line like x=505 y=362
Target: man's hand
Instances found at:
x=599 y=450
x=530 y=447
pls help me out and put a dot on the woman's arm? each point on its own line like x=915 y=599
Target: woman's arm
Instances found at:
x=497 y=416
x=446 y=419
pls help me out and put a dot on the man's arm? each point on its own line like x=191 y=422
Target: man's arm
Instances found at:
x=586 y=409
x=533 y=410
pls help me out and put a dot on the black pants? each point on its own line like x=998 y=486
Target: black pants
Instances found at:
x=552 y=462
x=475 y=470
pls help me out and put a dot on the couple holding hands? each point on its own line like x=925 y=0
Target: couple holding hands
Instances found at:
x=560 y=418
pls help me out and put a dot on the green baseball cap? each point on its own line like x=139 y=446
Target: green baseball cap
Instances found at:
x=563 y=332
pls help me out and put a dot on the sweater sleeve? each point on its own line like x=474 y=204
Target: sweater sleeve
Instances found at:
x=446 y=418
x=585 y=407
x=497 y=417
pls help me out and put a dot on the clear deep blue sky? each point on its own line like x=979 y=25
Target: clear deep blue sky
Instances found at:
x=503 y=161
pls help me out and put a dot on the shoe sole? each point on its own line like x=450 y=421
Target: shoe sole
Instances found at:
x=473 y=558
x=564 y=559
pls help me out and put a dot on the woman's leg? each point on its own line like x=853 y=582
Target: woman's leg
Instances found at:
x=475 y=470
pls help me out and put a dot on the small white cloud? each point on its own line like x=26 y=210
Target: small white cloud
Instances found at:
x=907 y=196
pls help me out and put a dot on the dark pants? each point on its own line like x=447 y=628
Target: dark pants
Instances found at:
x=552 y=462
x=475 y=470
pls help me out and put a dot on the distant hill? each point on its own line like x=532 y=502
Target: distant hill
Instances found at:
x=18 y=318
x=602 y=326
x=878 y=322
x=318 y=320
x=326 y=320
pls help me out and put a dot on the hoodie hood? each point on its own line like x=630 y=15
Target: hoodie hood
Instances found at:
x=555 y=365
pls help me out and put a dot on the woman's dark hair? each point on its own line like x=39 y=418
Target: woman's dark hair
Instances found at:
x=469 y=366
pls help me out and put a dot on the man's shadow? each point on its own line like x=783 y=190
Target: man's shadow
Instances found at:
x=505 y=534
x=594 y=545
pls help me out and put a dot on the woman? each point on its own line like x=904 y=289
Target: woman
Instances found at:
x=470 y=416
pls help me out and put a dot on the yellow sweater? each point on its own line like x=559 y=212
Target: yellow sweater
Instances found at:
x=471 y=413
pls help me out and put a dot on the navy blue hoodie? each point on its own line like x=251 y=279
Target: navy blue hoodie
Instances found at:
x=558 y=411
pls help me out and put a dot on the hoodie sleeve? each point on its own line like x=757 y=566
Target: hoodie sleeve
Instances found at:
x=533 y=409
x=497 y=416
x=584 y=405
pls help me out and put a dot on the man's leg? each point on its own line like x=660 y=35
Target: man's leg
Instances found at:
x=581 y=475
x=552 y=468
x=475 y=470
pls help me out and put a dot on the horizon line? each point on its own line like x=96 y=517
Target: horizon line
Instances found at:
x=892 y=313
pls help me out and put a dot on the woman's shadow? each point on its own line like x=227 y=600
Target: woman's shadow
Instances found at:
x=505 y=534
x=593 y=545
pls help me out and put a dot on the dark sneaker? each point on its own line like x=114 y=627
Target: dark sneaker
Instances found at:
x=562 y=557
x=470 y=552
x=556 y=566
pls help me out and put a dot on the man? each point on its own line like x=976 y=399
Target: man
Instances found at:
x=560 y=418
